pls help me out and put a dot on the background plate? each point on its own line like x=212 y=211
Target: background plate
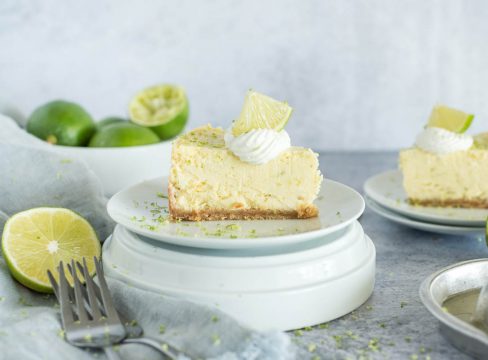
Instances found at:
x=143 y=209
x=420 y=225
x=387 y=190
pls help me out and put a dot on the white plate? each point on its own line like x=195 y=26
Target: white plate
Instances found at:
x=420 y=225
x=262 y=288
x=387 y=190
x=139 y=207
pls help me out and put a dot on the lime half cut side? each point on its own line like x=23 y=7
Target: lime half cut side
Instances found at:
x=163 y=108
x=450 y=119
x=36 y=240
x=261 y=112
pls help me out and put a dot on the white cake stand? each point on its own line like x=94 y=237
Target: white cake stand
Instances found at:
x=281 y=288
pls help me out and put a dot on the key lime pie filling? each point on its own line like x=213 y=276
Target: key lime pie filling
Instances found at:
x=249 y=175
x=446 y=168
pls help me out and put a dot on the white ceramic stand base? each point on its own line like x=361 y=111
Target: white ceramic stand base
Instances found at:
x=288 y=288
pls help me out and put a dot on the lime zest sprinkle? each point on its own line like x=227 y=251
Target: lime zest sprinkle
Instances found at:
x=23 y=301
x=216 y=340
x=374 y=344
x=312 y=347
x=162 y=329
x=161 y=195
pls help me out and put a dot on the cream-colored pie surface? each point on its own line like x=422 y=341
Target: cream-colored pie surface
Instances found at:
x=458 y=179
x=208 y=182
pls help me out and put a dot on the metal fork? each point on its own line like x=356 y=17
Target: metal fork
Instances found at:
x=97 y=323
x=86 y=326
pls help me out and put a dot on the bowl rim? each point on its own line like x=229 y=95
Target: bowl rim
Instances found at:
x=436 y=310
x=108 y=148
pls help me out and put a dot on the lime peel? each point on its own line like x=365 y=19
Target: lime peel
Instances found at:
x=450 y=119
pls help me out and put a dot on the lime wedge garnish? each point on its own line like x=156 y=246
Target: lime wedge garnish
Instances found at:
x=36 y=240
x=261 y=112
x=163 y=108
x=450 y=119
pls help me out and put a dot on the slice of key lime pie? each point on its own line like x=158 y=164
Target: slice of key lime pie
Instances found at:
x=247 y=172
x=446 y=167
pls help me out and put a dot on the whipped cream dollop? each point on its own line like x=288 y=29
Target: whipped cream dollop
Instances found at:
x=441 y=141
x=258 y=146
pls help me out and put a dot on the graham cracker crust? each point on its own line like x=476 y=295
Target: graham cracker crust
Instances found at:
x=454 y=203
x=305 y=212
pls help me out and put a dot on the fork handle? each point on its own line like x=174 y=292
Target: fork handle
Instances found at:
x=164 y=348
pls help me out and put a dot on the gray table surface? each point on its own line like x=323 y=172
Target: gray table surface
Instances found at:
x=393 y=323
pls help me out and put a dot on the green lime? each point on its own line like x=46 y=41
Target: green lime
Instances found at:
x=123 y=134
x=109 y=121
x=261 y=112
x=450 y=119
x=36 y=240
x=61 y=122
x=163 y=108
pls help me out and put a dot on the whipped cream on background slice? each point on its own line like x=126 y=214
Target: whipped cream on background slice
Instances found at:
x=441 y=141
x=258 y=146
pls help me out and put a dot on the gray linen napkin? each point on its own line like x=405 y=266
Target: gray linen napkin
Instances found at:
x=32 y=176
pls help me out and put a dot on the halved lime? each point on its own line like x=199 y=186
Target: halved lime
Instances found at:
x=261 y=112
x=123 y=134
x=163 y=108
x=61 y=122
x=36 y=240
x=450 y=119
x=110 y=121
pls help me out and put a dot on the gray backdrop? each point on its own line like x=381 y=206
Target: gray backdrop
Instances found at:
x=360 y=74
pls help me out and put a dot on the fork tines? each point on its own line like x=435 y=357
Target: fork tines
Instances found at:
x=82 y=304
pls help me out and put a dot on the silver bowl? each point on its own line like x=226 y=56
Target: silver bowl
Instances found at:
x=452 y=280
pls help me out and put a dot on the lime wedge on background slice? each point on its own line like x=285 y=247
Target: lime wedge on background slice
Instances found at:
x=261 y=112
x=36 y=240
x=450 y=119
x=163 y=108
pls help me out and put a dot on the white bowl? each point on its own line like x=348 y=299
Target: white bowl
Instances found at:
x=120 y=167
x=276 y=288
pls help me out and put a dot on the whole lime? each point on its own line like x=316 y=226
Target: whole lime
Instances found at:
x=163 y=108
x=109 y=121
x=123 y=134
x=61 y=122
